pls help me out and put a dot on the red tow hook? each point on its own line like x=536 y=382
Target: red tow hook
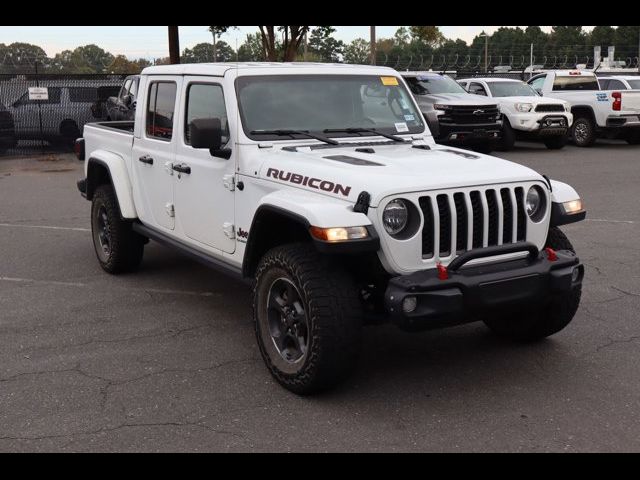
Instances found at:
x=443 y=274
x=551 y=254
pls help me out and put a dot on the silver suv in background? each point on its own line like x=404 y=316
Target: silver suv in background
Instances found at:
x=60 y=118
x=455 y=117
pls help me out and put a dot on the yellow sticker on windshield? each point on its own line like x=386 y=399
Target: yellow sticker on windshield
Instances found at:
x=389 y=80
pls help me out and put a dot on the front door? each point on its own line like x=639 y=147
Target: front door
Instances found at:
x=204 y=197
x=154 y=152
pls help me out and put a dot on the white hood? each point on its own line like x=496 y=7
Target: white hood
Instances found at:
x=392 y=169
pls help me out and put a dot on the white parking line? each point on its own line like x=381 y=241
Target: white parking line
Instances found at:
x=629 y=222
x=128 y=288
x=47 y=227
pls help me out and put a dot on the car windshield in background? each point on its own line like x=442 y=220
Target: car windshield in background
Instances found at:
x=635 y=84
x=430 y=84
x=575 y=82
x=511 y=89
x=315 y=103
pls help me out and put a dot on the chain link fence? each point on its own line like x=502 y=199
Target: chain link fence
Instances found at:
x=45 y=113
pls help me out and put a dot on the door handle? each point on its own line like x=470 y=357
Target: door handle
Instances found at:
x=146 y=159
x=182 y=168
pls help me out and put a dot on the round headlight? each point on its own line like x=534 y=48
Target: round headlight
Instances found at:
x=395 y=216
x=534 y=200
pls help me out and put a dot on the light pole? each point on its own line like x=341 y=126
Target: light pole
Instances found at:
x=486 y=50
x=372 y=34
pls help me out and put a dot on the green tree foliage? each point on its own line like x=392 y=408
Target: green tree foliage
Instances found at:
x=357 y=52
x=251 y=50
x=322 y=43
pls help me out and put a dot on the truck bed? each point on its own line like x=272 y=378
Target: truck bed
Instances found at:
x=114 y=137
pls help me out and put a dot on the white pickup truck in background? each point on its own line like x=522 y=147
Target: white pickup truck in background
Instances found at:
x=620 y=82
x=526 y=115
x=596 y=113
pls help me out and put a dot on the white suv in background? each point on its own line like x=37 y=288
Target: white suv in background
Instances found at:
x=526 y=115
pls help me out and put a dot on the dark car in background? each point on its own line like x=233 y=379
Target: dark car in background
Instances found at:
x=7 y=130
x=123 y=106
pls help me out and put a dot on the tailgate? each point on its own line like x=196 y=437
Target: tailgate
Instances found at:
x=630 y=101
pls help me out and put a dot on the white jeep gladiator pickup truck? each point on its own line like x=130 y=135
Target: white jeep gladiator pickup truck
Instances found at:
x=596 y=113
x=322 y=186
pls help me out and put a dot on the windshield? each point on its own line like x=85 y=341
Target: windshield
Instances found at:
x=316 y=103
x=428 y=84
x=634 y=84
x=511 y=89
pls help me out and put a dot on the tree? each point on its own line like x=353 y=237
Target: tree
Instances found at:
x=251 y=50
x=121 y=64
x=216 y=31
x=402 y=37
x=20 y=57
x=626 y=40
x=200 y=53
x=327 y=48
x=428 y=35
x=292 y=37
x=93 y=57
x=357 y=51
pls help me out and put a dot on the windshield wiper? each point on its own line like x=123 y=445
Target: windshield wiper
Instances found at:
x=363 y=130
x=291 y=133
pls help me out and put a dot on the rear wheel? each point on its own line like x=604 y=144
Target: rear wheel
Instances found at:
x=308 y=318
x=544 y=321
x=118 y=248
x=583 y=132
x=555 y=143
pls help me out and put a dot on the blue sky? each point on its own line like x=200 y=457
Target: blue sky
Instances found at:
x=151 y=42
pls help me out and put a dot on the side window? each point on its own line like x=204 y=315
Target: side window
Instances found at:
x=538 y=82
x=206 y=100
x=160 y=110
x=83 y=94
x=477 y=88
x=604 y=84
x=133 y=89
x=615 y=85
x=125 y=89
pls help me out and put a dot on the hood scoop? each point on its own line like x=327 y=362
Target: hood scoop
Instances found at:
x=353 y=161
x=462 y=154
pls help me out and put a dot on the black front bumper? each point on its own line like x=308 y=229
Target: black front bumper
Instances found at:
x=553 y=125
x=471 y=292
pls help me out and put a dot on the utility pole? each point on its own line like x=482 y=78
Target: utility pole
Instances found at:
x=174 y=45
x=638 y=51
x=214 y=45
x=531 y=62
x=304 y=53
x=372 y=34
x=486 y=49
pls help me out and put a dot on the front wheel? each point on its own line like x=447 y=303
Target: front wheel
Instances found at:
x=508 y=139
x=583 y=132
x=118 y=248
x=555 y=143
x=307 y=317
x=546 y=321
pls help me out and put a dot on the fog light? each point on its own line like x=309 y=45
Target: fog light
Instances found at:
x=575 y=275
x=409 y=304
x=454 y=136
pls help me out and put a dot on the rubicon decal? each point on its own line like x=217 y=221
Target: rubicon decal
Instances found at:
x=311 y=182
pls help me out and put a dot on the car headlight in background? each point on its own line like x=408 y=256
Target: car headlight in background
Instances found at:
x=395 y=216
x=524 y=107
x=535 y=203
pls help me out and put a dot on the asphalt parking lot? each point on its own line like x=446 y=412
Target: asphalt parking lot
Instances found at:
x=165 y=359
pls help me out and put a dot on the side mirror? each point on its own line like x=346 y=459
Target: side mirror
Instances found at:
x=207 y=133
x=539 y=90
x=127 y=100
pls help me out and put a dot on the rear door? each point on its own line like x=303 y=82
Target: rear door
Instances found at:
x=154 y=152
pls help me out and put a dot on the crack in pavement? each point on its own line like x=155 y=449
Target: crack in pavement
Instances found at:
x=625 y=292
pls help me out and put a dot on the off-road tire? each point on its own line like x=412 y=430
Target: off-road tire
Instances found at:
x=555 y=143
x=333 y=312
x=547 y=320
x=508 y=139
x=126 y=247
x=586 y=132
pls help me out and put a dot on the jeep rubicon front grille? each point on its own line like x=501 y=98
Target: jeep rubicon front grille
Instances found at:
x=460 y=221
